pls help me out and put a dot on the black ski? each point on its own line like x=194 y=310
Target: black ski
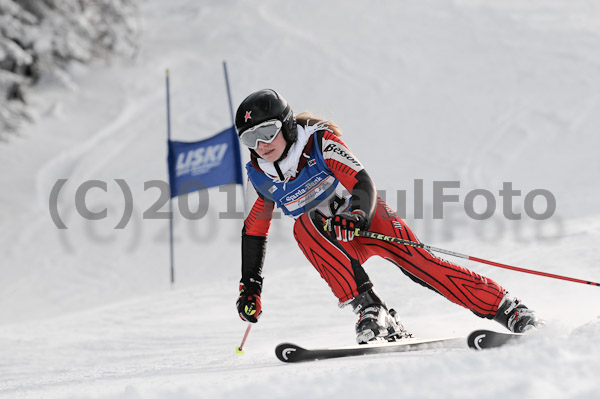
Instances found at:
x=291 y=353
x=486 y=339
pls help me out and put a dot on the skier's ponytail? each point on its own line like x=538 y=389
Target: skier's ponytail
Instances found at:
x=307 y=119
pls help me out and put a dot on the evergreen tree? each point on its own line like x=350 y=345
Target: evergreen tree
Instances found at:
x=43 y=37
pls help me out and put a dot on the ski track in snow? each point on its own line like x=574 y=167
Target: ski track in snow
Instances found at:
x=481 y=92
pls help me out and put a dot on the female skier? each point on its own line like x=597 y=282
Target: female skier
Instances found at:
x=301 y=165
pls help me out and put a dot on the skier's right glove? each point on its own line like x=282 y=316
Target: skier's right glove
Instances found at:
x=248 y=304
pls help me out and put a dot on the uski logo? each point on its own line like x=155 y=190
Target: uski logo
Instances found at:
x=201 y=160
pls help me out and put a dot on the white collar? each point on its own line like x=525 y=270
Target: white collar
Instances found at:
x=288 y=165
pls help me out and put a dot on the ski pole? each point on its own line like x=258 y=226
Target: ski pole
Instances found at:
x=382 y=237
x=239 y=350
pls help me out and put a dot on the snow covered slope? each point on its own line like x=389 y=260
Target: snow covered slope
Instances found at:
x=480 y=92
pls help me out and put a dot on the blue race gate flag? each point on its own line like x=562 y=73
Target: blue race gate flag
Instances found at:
x=203 y=164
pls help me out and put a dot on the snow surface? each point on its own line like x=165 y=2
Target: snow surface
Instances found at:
x=481 y=92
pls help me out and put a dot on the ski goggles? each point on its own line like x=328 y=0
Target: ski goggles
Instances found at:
x=265 y=132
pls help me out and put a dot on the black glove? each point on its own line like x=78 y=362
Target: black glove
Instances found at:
x=346 y=223
x=248 y=304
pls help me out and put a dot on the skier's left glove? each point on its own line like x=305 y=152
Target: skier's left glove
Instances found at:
x=346 y=223
x=248 y=305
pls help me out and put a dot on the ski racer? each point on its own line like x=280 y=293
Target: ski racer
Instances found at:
x=300 y=164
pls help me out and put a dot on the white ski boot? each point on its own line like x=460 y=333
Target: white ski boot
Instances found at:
x=515 y=316
x=375 y=323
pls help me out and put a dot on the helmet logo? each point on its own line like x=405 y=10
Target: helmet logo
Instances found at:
x=247 y=116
